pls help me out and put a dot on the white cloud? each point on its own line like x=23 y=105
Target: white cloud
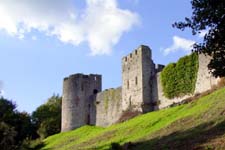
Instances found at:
x=101 y=23
x=179 y=44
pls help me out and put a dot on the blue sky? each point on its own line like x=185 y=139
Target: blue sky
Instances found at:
x=43 y=41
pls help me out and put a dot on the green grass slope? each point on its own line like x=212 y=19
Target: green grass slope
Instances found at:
x=197 y=125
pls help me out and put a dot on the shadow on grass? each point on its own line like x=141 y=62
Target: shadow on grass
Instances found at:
x=34 y=146
x=39 y=146
x=182 y=140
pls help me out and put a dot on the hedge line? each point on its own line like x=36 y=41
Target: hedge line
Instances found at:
x=178 y=79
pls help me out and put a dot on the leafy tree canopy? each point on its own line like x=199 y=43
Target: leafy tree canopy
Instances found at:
x=208 y=15
x=7 y=137
x=47 y=117
x=15 y=126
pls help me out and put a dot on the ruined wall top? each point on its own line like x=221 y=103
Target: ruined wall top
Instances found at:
x=159 y=67
x=141 y=50
x=82 y=76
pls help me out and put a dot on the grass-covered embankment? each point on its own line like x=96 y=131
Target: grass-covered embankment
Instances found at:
x=197 y=125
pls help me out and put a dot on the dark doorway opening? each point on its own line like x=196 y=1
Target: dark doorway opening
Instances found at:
x=88 y=116
x=88 y=119
x=95 y=91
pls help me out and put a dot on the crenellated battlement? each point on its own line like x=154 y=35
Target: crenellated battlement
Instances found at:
x=82 y=76
x=131 y=56
x=135 y=54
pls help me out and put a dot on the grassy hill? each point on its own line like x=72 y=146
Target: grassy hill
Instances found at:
x=196 y=125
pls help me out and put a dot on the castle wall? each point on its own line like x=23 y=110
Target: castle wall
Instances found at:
x=84 y=103
x=162 y=101
x=108 y=107
x=148 y=71
x=205 y=81
x=136 y=72
x=79 y=92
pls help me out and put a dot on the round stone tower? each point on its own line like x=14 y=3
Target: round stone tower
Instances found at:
x=78 y=100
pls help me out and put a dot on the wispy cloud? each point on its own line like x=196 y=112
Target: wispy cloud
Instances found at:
x=101 y=23
x=179 y=44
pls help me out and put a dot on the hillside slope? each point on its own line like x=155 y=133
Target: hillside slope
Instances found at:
x=197 y=125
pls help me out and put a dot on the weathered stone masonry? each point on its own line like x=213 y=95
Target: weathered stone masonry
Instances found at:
x=108 y=107
x=79 y=94
x=84 y=103
x=137 y=68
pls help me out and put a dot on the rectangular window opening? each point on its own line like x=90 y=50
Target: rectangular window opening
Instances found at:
x=136 y=80
x=82 y=87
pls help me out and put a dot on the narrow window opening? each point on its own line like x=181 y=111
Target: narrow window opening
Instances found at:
x=88 y=119
x=130 y=101
x=125 y=58
x=82 y=87
x=127 y=84
x=130 y=55
x=136 y=80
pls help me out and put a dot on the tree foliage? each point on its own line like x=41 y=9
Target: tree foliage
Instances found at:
x=179 y=78
x=209 y=15
x=18 y=129
x=15 y=126
x=7 y=137
x=47 y=117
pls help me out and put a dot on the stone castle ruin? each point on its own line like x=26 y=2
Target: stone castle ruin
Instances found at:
x=84 y=102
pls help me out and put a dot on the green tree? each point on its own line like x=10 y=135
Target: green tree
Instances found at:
x=15 y=126
x=208 y=15
x=47 y=117
x=7 y=137
x=24 y=126
x=7 y=111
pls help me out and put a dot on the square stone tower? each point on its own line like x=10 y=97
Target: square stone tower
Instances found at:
x=137 y=69
x=78 y=100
